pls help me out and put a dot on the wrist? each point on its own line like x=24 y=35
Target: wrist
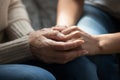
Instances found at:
x=99 y=49
x=64 y=23
x=31 y=40
x=31 y=37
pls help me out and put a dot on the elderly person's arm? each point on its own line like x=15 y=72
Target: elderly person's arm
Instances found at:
x=18 y=27
x=19 y=22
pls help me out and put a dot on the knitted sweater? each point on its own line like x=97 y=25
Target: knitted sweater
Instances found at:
x=111 y=6
x=15 y=22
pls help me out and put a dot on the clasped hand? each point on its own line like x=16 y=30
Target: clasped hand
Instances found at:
x=60 y=44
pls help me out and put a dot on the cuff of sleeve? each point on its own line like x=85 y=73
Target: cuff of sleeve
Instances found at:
x=15 y=51
x=19 y=28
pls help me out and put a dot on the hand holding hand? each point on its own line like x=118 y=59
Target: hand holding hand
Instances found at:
x=91 y=43
x=48 y=45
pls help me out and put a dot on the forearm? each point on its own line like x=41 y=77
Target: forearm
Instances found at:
x=19 y=24
x=19 y=29
x=109 y=43
x=69 y=11
x=15 y=51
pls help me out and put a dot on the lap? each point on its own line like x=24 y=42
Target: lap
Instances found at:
x=96 y=67
x=23 y=72
x=97 y=22
x=79 y=69
x=103 y=67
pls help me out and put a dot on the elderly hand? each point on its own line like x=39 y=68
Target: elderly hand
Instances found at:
x=91 y=43
x=49 y=46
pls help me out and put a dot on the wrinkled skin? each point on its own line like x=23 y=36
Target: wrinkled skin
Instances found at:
x=50 y=46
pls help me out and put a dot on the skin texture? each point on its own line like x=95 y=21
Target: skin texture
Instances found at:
x=102 y=44
x=64 y=44
x=69 y=14
x=74 y=33
x=51 y=46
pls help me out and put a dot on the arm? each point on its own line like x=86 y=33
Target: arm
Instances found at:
x=109 y=43
x=18 y=21
x=51 y=47
x=18 y=28
x=15 y=51
x=69 y=11
x=94 y=44
x=41 y=42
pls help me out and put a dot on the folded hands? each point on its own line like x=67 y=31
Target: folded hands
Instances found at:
x=61 y=44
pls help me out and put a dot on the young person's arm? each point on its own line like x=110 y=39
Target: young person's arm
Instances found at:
x=109 y=43
x=69 y=11
x=94 y=44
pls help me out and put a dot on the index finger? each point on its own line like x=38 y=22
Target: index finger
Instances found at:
x=65 y=45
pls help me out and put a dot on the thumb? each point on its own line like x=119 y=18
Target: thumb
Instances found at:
x=55 y=35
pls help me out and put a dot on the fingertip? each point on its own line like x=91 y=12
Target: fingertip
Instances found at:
x=80 y=41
